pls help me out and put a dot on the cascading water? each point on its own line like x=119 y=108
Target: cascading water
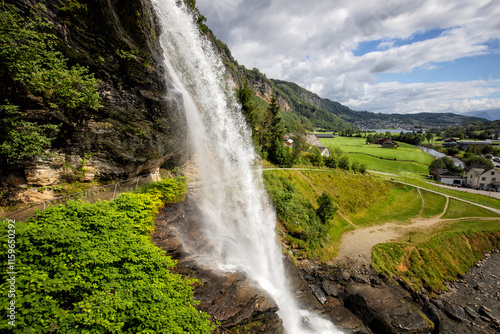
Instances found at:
x=240 y=222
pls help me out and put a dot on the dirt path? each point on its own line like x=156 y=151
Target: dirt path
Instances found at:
x=358 y=244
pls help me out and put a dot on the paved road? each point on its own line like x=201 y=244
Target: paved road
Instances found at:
x=467 y=190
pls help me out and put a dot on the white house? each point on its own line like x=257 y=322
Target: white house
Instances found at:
x=324 y=151
x=481 y=177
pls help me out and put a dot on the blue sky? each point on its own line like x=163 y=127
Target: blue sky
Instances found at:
x=381 y=56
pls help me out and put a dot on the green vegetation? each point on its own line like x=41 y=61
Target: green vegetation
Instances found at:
x=434 y=204
x=92 y=268
x=476 y=198
x=451 y=251
x=406 y=159
x=445 y=163
x=400 y=205
x=21 y=139
x=305 y=229
x=326 y=209
x=375 y=201
x=30 y=64
x=459 y=209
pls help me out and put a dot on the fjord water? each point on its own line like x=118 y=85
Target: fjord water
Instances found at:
x=239 y=222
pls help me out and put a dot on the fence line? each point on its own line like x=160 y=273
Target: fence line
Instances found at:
x=106 y=192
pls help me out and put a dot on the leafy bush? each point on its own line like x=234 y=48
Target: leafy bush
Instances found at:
x=29 y=56
x=168 y=190
x=20 y=139
x=86 y=268
x=326 y=209
x=302 y=222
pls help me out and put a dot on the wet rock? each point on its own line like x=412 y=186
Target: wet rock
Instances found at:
x=384 y=313
x=330 y=288
x=433 y=314
x=483 y=310
x=238 y=304
x=318 y=293
x=235 y=301
x=347 y=322
x=361 y=279
x=454 y=311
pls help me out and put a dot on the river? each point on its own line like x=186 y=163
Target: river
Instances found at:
x=437 y=154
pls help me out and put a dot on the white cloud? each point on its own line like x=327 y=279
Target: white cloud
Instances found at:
x=313 y=45
x=456 y=97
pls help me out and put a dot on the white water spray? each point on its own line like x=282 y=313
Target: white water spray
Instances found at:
x=239 y=221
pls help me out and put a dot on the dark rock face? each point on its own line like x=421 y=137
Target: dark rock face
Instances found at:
x=385 y=313
x=357 y=301
x=238 y=304
x=142 y=123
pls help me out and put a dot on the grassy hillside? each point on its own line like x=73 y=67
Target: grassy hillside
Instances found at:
x=404 y=160
x=434 y=204
x=374 y=202
x=440 y=255
x=435 y=250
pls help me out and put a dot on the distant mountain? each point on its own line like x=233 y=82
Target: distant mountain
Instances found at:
x=491 y=114
x=299 y=103
x=369 y=120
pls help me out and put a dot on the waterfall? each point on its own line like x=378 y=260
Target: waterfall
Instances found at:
x=238 y=218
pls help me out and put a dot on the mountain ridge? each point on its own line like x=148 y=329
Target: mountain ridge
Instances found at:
x=324 y=113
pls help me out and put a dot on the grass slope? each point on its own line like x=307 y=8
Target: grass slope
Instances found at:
x=433 y=204
x=438 y=255
x=459 y=209
x=373 y=202
x=406 y=159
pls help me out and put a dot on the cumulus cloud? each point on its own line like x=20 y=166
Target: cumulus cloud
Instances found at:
x=316 y=44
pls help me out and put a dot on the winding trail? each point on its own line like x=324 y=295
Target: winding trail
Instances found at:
x=358 y=244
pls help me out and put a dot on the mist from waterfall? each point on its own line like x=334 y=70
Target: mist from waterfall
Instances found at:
x=239 y=220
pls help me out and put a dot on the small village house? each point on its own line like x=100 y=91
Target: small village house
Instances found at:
x=482 y=177
x=446 y=177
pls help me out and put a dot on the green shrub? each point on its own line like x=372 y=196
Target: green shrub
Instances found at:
x=92 y=268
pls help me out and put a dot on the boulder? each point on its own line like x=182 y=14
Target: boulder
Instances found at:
x=330 y=288
x=318 y=293
x=347 y=322
x=346 y=276
x=454 y=311
x=383 y=312
x=236 y=302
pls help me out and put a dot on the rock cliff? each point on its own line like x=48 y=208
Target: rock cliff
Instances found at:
x=141 y=124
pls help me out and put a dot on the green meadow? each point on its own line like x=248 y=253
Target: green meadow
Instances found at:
x=404 y=160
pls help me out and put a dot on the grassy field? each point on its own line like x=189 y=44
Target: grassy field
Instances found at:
x=459 y=209
x=433 y=204
x=374 y=201
x=406 y=159
x=476 y=198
